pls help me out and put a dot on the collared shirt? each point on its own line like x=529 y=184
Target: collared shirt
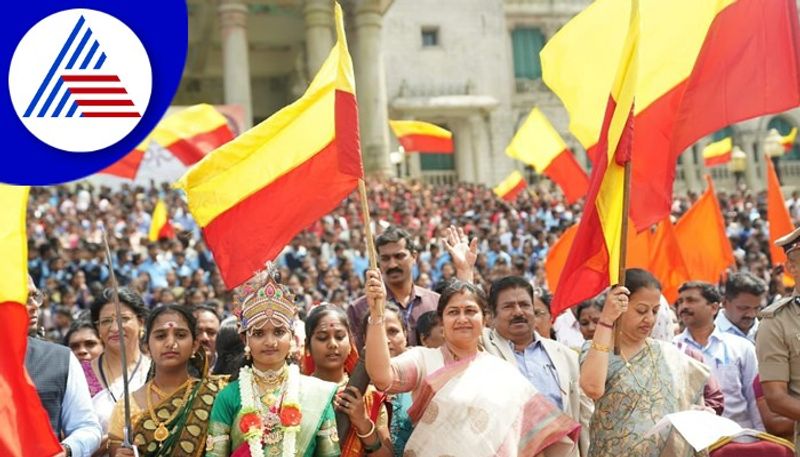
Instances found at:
x=732 y=360
x=422 y=301
x=534 y=363
x=727 y=326
x=568 y=330
x=80 y=423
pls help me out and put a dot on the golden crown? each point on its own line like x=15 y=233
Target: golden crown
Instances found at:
x=262 y=299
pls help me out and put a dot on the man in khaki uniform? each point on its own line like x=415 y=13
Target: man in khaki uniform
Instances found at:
x=778 y=343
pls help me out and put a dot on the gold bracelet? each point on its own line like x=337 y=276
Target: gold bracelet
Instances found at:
x=600 y=347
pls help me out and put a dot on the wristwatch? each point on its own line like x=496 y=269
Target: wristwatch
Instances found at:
x=67 y=450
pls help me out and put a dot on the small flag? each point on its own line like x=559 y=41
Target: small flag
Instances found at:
x=788 y=140
x=718 y=152
x=128 y=166
x=192 y=133
x=418 y=136
x=160 y=225
x=511 y=187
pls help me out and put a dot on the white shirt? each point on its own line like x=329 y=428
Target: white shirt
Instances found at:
x=81 y=427
x=727 y=326
x=568 y=330
x=732 y=360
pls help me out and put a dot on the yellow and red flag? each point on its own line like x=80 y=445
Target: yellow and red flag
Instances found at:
x=418 y=136
x=192 y=133
x=160 y=225
x=718 y=152
x=539 y=145
x=707 y=252
x=698 y=58
x=511 y=187
x=778 y=218
x=253 y=194
x=24 y=425
x=594 y=259
x=128 y=166
x=788 y=140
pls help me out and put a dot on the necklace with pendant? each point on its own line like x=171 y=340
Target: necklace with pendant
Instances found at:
x=162 y=433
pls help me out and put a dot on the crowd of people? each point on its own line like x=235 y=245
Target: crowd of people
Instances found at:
x=459 y=301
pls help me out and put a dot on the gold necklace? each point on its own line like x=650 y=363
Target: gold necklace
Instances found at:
x=161 y=432
x=270 y=380
x=652 y=377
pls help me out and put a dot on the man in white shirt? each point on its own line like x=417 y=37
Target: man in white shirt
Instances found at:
x=745 y=295
x=732 y=359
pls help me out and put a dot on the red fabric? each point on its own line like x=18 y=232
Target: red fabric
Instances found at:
x=126 y=167
x=751 y=48
x=780 y=222
x=514 y=192
x=718 y=160
x=24 y=426
x=565 y=171
x=666 y=260
x=427 y=144
x=191 y=150
x=257 y=228
x=757 y=449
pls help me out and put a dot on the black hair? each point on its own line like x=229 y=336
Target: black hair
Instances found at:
x=197 y=361
x=127 y=298
x=78 y=325
x=707 y=290
x=392 y=308
x=230 y=350
x=426 y=323
x=587 y=304
x=636 y=278
x=508 y=282
x=739 y=283
x=457 y=287
x=317 y=313
x=394 y=234
x=206 y=308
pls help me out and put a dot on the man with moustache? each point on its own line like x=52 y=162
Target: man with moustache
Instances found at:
x=745 y=295
x=62 y=388
x=732 y=359
x=208 y=324
x=551 y=367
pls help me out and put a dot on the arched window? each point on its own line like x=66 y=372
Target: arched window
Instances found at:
x=526 y=43
x=784 y=126
x=722 y=133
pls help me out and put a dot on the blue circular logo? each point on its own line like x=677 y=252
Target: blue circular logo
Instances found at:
x=86 y=83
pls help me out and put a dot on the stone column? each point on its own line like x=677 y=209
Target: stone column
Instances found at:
x=319 y=33
x=752 y=174
x=236 y=56
x=371 y=88
x=689 y=170
x=481 y=149
x=464 y=150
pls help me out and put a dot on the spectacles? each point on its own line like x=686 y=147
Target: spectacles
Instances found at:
x=36 y=298
x=108 y=321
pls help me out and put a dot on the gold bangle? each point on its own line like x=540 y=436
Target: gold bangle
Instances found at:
x=370 y=432
x=600 y=347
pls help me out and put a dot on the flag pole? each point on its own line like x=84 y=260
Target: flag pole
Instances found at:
x=362 y=192
x=623 y=251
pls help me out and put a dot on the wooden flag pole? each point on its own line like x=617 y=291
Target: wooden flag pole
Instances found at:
x=362 y=192
x=623 y=251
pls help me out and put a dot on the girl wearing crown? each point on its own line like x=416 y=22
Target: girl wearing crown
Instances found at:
x=271 y=409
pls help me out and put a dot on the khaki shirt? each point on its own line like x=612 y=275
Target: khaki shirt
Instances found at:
x=778 y=346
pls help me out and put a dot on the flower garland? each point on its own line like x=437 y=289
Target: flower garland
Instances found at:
x=252 y=423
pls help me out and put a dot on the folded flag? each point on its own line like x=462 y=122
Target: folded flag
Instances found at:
x=538 y=144
x=24 y=424
x=511 y=187
x=160 y=225
x=255 y=193
x=718 y=152
x=418 y=136
x=192 y=133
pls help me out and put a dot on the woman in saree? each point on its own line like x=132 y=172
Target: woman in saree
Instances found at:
x=270 y=409
x=465 y=402
x=331 y=356
x=169 y=414
x=104 y=374
x=649 y=378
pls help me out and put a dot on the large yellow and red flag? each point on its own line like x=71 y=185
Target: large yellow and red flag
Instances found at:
x=418 y=136
x=780 y=222
x=192 y=133
x=511 y=187
x=128 y=166
x=538 y=144
x=594 y=260
x=718 y=152
x=160 y=225
x=253 y=194
x=24 y=425
x=788 y=140
x=704 y=65
x=707 y=252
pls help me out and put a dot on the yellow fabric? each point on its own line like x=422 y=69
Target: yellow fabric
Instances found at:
x=789 y=139
x=718 y=148
x=185 y=124
x=157 y=220
x=404 y=128
x=577 y=63
x=609 y=197
x=13 y=244
x=276 y=146
x=509 y=183
x=536 y=143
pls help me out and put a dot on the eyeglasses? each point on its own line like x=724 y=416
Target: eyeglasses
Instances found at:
x=108 y=321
